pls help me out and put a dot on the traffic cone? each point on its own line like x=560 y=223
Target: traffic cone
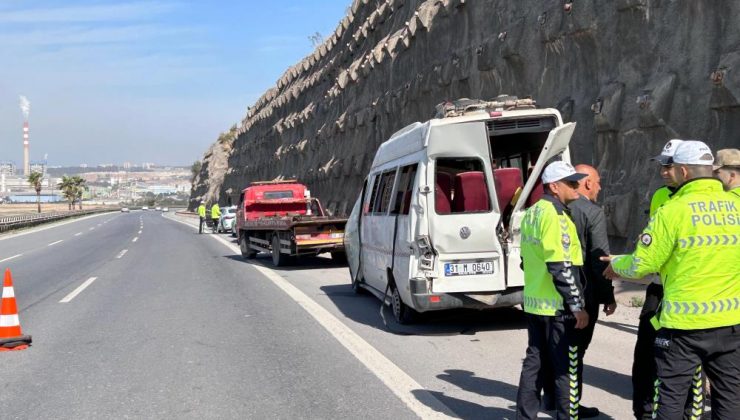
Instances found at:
x=11 y=337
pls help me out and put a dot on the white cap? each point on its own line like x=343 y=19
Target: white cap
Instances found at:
x=560 y=171
x=666 y=155
x=693 y=152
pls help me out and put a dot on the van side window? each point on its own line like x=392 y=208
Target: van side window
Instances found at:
x=460 y=186
x=404 y=190
x=383 y=196
x=370 y=198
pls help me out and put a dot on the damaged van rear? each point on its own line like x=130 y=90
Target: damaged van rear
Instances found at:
x=436 y=225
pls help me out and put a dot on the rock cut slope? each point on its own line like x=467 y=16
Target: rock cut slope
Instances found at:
x=632 y=73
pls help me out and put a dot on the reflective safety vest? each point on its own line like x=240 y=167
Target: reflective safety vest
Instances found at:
x=735 y=191
x=660 y=197
x=202 y=210
x=547 y=236
x=215 y=211
x=693 y=241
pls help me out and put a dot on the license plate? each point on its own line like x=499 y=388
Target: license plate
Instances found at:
x=468 y=269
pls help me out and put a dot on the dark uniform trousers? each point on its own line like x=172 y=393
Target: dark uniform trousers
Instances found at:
x=644 y=370
x=643 y=367
x=679 y=353
x=552 y=342
x=200 y=226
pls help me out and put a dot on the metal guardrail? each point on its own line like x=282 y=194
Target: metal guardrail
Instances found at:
x=26 y=220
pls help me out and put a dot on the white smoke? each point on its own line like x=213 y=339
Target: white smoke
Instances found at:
x=25 y=106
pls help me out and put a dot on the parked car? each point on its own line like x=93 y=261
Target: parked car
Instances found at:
x=158 y=209
x=227 y=219
x=124 y=210
x=165 y=209
x=145 y=208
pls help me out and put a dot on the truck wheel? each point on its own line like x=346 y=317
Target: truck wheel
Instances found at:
x=247 y=252
x=278 y=259
x=339 y=257
x=402 y=312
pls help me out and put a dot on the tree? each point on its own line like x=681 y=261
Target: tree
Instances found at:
x=80 y=187
x=315 y=39
x=34 y=179
x=195 y=169
x=68 y=189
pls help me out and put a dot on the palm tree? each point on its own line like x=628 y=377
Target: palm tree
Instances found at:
x=80 y=188
x=69 y=190
x=34 y=179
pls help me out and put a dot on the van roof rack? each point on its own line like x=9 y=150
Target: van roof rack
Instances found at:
x=279 y=181
x=464 y=106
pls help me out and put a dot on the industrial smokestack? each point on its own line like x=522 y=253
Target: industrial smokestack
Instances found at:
x=26 y=109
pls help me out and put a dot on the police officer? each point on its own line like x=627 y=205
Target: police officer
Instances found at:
x=215 y=214
x=643 y=366
x=553 y=295
x=693 y=242
x=201 y=215
x=727 y=169
x=590 y=224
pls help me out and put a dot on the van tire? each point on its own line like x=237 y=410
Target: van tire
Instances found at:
x=357 y=287
x=278 y=259
x=403 y=313
x=247 y=252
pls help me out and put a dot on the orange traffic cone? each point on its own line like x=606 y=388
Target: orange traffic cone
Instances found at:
x=11 y=337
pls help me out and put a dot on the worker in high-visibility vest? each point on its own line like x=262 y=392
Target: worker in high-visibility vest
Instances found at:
x=201 y=215
x=693 y=241
x=643 y=365
x=215 y=215
x=553 y=295
x=727 y=169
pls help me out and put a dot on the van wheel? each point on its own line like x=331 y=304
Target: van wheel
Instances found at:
x=278 y=259
x=339 y=257
x=357 y=288
x=402 y=312
x=247 y=252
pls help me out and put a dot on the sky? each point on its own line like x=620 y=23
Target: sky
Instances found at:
x=143 y=81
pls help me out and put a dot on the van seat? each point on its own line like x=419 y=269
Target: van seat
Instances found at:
x=537 y=191
x=507 y=181
x=443 y=193
x=471 y=194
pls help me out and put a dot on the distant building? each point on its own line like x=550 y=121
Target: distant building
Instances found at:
x=126 y=165
x=83 y=165
x=162 y=189
x=7 y=168
x=38 y=167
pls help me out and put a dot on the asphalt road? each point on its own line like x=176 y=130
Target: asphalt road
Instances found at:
x=179 y=326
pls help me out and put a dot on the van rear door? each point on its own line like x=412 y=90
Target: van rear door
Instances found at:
x=462 y=217
x=556 y=144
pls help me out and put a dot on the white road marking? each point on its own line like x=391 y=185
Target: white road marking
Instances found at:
x=10 y=258
x=135 y=239
x=54 y=243
x=121 y=254
x=100 y=224
x=139 y=232
x=78 y=290
x=410 y=392
x=92 y=228
x=78 y=233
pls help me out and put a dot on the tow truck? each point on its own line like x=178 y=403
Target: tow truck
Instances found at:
x=281 y=217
